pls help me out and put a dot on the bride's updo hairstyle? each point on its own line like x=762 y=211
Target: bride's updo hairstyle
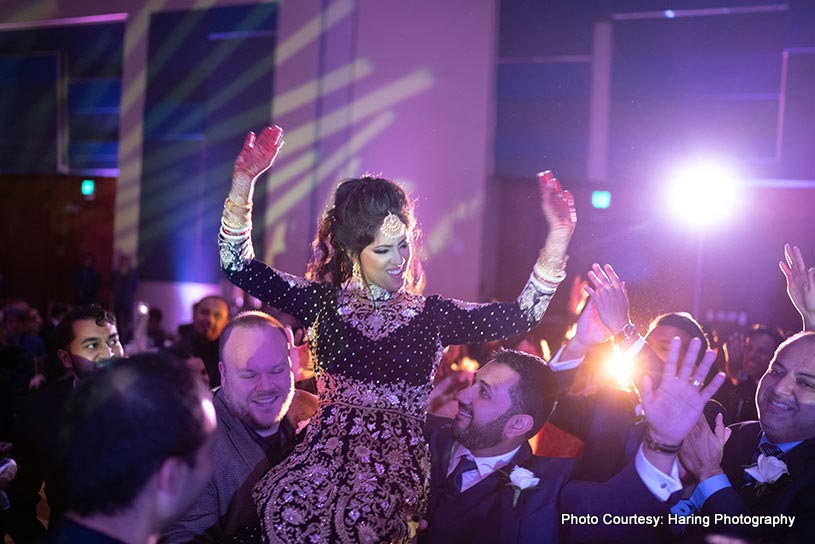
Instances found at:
x=360 y=206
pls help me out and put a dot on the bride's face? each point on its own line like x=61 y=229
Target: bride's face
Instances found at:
x=385 y=260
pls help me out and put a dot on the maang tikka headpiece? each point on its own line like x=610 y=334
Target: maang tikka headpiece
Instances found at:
x=392 y=226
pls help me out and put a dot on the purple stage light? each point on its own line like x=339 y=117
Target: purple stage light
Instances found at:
x=703 y=193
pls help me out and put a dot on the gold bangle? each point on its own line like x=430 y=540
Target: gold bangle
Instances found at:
x=229 y=204
x=545 y=271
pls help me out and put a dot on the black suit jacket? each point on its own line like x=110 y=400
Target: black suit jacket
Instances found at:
x=485 y=514
x=793 y=495
x=36 y=445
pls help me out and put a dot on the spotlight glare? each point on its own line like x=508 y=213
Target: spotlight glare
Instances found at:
x=620 y=368
x=703 y=194
x=669 y=13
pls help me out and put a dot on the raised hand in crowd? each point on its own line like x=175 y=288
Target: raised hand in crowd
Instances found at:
x=702 y=450
x=610 y=297
x=590 y=332
x=674 y=407
x=577 y=296
x=800 y=284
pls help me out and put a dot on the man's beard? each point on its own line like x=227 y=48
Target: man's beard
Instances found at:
x=244 y=414
x=478 y=437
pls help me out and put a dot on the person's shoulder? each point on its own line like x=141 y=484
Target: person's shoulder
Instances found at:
x=550 y=467
x=56 y=392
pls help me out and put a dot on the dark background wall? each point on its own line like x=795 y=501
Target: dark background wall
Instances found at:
x=704 y=83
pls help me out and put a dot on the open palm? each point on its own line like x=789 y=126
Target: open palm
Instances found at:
x=673 y=408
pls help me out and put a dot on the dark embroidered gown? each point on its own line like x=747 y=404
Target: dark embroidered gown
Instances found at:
x=362 y=470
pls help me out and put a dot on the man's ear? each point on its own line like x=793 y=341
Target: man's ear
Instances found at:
x=65 y=358
x=171 y=476
x=518 y=425
x=222 y=371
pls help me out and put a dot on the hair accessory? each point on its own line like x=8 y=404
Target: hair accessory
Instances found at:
x=392 y=226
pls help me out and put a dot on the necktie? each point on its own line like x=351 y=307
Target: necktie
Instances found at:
x=768 y=449
x=453 y=482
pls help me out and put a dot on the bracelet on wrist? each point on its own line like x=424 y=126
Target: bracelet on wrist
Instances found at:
x=547 y=285
x=546 y=272
x=664 y=449
x=234 y=207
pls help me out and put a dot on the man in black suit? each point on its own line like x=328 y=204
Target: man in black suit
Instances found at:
x=474 y=494
x=737 y=476
x=86 y=339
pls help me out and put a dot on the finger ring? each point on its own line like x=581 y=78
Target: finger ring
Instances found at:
x=697 y=383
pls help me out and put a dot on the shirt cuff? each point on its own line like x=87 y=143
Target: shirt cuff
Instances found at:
x=708 y=487
x=635 y=348
x=556 y=365
x=660 y=485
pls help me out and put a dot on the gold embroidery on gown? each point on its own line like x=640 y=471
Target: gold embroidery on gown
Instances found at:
x=364 y=461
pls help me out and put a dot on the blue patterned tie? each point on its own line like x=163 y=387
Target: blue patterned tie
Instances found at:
x=453 y=482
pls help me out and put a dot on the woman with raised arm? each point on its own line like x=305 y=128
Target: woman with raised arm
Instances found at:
x=361 y=472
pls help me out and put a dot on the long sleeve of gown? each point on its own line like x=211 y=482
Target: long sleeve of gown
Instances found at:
x=466 y=322
x=292 y=294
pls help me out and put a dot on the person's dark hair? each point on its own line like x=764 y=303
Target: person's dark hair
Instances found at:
x=248 y=320
x=64 y=332
x=360 y=206
x=776 y=334
x=684 y=322
x=536 y=390
x=120 y=426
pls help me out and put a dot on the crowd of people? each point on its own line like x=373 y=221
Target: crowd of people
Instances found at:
x=356 y=409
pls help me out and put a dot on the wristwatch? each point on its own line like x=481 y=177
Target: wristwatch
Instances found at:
x=627 y=334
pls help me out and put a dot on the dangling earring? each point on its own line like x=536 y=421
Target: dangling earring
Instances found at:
x=356 y=272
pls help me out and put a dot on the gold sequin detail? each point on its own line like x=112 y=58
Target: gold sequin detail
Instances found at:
x=377 y=319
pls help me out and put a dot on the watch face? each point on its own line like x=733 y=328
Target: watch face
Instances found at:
x=629 y=332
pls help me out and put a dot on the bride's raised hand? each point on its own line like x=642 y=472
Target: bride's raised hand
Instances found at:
x=256 y=156
x=558 y=208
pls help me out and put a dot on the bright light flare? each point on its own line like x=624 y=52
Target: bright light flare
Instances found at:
x=620 y=368
x=465 y=365
x=703 y=194
x=546 y=351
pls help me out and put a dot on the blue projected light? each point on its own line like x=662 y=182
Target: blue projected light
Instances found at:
x=601 y=199
x=670 y=14
x=88 y=187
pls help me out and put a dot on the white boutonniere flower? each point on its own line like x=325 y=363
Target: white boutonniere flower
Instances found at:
x=521 y=479
x=766 y=471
